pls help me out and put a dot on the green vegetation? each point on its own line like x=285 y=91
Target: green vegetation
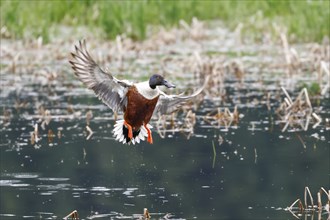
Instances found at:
x=305 y=20
x=313 y=89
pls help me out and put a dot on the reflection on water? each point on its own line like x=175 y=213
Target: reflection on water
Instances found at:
x=212 y=162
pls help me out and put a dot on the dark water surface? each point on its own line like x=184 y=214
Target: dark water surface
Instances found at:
x=257 y=172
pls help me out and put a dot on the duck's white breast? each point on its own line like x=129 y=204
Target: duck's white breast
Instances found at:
x=145 y=90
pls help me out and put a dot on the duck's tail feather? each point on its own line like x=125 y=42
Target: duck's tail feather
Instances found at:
x=120 y=132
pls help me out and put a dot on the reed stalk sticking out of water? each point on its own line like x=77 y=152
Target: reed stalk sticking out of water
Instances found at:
x=298 y=112
x=73 y=215
x=295 y=209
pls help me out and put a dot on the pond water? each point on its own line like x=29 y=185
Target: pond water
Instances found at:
x=254 y=173
x=246 y=170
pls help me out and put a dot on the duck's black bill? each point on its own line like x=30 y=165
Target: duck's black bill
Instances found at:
x=168 y=84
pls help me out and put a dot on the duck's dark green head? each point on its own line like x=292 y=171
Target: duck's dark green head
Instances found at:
x=158 y=80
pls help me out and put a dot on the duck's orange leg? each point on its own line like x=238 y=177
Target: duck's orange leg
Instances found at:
x=149 y=134
x=130 y=131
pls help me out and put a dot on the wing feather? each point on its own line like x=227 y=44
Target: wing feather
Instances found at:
x=105 y=86
x=170 y=103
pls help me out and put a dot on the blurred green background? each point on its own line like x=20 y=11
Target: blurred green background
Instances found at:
x=305 y=20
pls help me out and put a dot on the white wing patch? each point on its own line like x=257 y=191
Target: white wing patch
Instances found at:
x=119 y=136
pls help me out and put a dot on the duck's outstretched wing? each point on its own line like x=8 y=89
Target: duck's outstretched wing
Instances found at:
x=105 y=86
x=169 y=103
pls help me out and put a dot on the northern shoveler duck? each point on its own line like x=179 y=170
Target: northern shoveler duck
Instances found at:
x=138 y=101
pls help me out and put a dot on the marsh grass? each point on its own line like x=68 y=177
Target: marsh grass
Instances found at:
x=298 y=112
x=297 y=208
x=305 y=20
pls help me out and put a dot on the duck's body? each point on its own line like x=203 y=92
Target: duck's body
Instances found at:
x=138 y=101
x=139 y=108
x=138 y=111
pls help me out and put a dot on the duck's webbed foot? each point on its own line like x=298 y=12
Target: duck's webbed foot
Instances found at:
x=149 y=134
x=130 y=130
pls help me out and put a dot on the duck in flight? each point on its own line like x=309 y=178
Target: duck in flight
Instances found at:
x=138 y=101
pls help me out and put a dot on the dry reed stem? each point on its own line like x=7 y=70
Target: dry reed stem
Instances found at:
x=238 y=69
x=189 y=123
x=59 y=133
x=90 y=132
x=214 y=154
x=319 y=202
x=308 y=118
x=312 y=207
x=238 y=33
x=169 y=124
x=46 y=117
x=310 y=196
x=318 y=120
x=89 y=116
x=73 y=215
x=222 y=118
x=50 y=136
x=291 y=56
x=146 y=213
x=195 y=30
x=35 y=135
x=212 y=68
x=292 y=205
x=326 y=193
x=255 y=156
x=288 y=97
x=324 y=69
x=161 y=126
x=32 y=138
x=293 y=214
x=297 y=112
x=268 y=101
x=290 y=209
